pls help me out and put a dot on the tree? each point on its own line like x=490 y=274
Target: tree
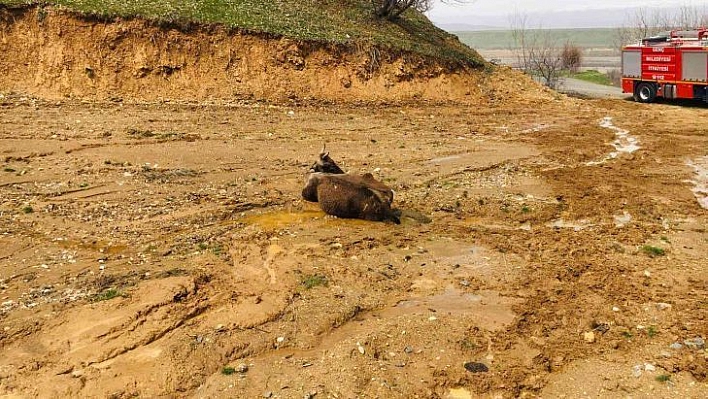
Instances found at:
x=392 y=9
x=536 y=52
x=645 y=22
x=571 y=57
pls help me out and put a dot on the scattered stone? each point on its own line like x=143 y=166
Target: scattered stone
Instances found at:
x=589 y=337
x=459 y=393
x=676 y=346
x=268 y=394
x=637 y=371
x=602 y=328
x=649 y=367
x=615 y=309
x=663 y=306
x=647 y=273
x=219 y=327
x=432 y=318
x=242 y=368
x=310 y=395
x=280 y=340
x=360 y=348
x=77 y=373
x=408 y=349
x=476 y=367
x=695 y=343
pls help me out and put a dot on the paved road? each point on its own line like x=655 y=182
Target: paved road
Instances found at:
x=575 y=86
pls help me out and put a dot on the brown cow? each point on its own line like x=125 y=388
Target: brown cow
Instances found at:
x=348 y=196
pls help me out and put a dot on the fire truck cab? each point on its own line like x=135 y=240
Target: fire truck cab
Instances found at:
x=669 y=65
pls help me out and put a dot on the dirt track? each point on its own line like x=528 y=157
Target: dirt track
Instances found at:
x=143 y=248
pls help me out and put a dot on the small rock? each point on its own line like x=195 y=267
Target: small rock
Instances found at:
x=476 y=367
x=589 y=337
x=432 y=318
x=615 y=309
x=77 y=373
x=663 y=306
x=219 y=327
x=602 y=328
x=408 y=349
x=695 y=343
x=268 y=394
x=280 y=340
x=676 y=346
x=647 y=273
x=649 y=367
x=360 y=348
x=637 y=371
x=242 y=368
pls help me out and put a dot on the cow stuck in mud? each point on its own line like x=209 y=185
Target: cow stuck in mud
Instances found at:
x=348 y=196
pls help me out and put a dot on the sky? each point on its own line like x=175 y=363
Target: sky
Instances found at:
x=545 y=12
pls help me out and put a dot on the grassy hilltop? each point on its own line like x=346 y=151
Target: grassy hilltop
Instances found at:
x=331 y=21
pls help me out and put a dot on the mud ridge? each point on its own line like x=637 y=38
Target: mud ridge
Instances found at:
x=60 y=55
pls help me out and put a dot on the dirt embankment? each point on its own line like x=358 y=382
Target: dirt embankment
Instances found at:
x=52 y=54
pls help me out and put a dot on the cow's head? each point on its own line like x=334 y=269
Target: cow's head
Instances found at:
x=325 y=164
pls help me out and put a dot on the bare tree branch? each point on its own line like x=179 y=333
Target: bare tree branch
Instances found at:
x=392 y=9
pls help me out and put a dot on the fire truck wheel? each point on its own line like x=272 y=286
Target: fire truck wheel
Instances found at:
x=645 y=92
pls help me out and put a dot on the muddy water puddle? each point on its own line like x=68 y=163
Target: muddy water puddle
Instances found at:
x=488 y=309
x=287 y=218
x=624 y=143
x=484 y=154
x=700 y=180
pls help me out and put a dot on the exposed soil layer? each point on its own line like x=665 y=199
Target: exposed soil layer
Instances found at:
x=145 y=249
x=54 y=54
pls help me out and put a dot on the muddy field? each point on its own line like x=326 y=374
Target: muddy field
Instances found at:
x=163 y=250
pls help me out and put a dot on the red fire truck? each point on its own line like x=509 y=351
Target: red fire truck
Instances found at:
x=670 y=65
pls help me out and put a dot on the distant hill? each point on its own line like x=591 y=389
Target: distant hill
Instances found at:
x=591 y=18
x=503 y=39
x=460 y=27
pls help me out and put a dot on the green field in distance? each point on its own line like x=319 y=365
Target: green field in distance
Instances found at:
x=503 y=39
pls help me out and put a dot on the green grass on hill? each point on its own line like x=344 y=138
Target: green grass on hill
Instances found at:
x=333 y=21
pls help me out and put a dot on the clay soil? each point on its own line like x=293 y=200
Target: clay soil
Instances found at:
x=549 y=247
x=147 y=248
